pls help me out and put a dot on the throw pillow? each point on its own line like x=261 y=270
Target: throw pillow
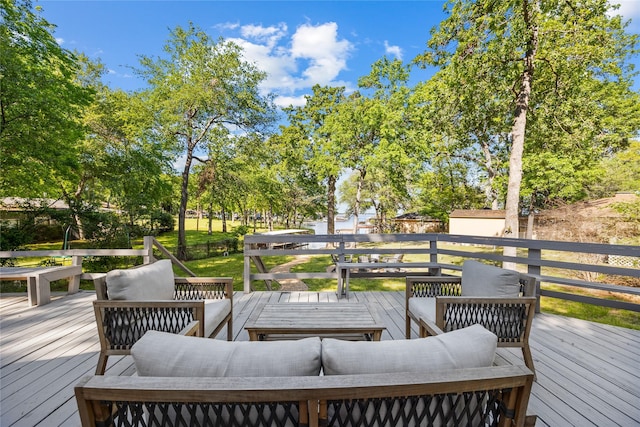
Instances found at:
x=482 y=280
x=146 y=283
x=469 y=347
x=204 y=357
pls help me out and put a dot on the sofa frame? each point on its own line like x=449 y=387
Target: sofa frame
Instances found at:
x=334 y=400
x=121 y=323
x=510 y=318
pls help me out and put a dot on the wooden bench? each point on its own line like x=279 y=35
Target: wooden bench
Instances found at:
x=478 y=396
x=39 y=280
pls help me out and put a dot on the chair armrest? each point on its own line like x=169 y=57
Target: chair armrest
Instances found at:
x=429 y=328
x=194 y=288
x=121 y=323
x=191 y=329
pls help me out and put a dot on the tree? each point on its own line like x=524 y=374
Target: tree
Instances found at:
x=116 y=145
x=371 y=132
x=40 y=103
x=198 y=86
x=539 y=57
x=312 y=141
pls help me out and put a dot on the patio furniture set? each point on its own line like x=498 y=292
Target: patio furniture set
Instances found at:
x=294 y=370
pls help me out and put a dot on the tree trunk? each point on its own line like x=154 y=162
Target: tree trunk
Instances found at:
x=210 y=225
x=356 y=207
x=224 y=220
x=182 y=212
x=518 y=132
x=331 y=205
x=489 y=191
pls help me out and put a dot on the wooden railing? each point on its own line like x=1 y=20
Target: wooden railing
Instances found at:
x=538 y=254
x=77 y=255
x=534 y=256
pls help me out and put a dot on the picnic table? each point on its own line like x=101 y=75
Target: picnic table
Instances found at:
x=39 y=280
x=383 y=269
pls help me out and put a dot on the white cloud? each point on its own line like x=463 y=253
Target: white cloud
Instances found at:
x=630 y=9
x=286 y=101
x=313 y=54
x=226 y=26
x=393 y=50
x=269 y=35
x=60 y=40
x=326 y=54
x=279 y=66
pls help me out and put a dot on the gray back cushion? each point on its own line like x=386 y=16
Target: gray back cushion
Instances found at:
x=146 y=283
x=470 y=347
x=482 y=280
x=161 y=354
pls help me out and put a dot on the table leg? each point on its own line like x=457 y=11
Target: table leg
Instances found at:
x=377 y=335
x=340 y=272
x=74 y=281
x=253 y=336
x=346 y=282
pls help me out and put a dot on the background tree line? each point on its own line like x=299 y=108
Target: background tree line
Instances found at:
x=531 y=105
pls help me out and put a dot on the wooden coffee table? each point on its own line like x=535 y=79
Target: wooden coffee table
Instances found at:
x=295 y=320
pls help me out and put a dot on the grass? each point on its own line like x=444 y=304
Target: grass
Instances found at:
x=233 y=266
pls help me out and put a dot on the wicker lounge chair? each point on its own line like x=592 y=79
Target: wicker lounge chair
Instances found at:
x=131 y=302
x=503 y=301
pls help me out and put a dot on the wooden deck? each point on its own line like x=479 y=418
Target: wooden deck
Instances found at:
x=588 y=374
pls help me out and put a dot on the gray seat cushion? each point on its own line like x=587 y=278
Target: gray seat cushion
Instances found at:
x=482 y=280
x=423 y=308
x=146 y=283
x=214 y=312
x=469 y=347
x=161 y=354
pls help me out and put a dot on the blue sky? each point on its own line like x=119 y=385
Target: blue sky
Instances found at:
x=298 y=43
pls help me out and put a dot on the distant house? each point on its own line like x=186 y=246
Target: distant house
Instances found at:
x=477 y=222
x=415 y=223
x=13 y=209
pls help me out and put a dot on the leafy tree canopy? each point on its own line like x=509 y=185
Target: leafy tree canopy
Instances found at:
x=40 y=102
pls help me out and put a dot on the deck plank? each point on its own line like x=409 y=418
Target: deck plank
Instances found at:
x=587 y=372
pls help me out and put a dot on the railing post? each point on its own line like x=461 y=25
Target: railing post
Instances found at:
x=535 y=255
x=433 y=249
x=247 y=269
x=148 y=247
x=341 y=253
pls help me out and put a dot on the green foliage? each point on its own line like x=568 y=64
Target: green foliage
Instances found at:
x=200 y=87
x=630 y=210
x=580 y=106
x=40 y=102
x=13 y=238
x=240 y=230
x=618 y=172
x=162 y=221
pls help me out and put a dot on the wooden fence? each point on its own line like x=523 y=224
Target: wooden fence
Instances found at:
x=77 y=255
x=533 y=255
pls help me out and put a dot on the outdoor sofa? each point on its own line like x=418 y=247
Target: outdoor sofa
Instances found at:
x=501 y=300
x=133 y=301
x=436 y=381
